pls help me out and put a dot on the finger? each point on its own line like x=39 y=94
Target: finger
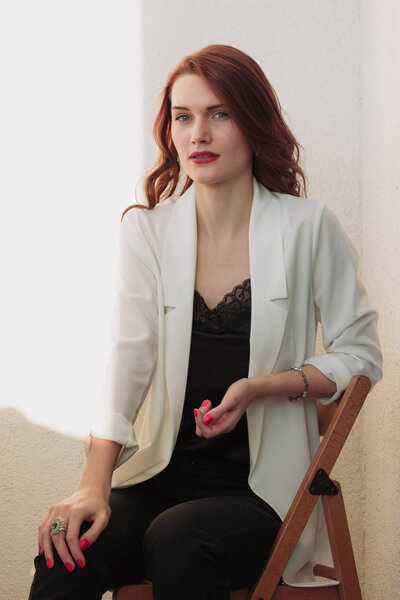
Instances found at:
x=100 y=522
x=40 y=542
x=226 y=423
x=198 y=417
x=198 y=431
x=227 y=405
x=45 y=541
x=205 y=406
x=204 y=430
x=62 y=550
x=72 y=539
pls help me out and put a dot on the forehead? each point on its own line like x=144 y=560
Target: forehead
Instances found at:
x=193 y=91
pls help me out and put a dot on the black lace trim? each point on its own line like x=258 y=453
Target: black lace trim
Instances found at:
x=231 y=305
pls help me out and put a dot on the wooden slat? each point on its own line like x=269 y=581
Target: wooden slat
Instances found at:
x=288 y=592
x=142 y=591
x=324 y=571
x=342 y=551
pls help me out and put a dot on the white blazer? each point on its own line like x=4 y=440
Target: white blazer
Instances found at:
x=303 y=270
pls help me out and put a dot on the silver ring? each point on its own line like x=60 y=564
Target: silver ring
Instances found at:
x=57 y=525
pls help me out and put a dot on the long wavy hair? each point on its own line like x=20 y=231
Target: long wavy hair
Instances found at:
x=240 y=83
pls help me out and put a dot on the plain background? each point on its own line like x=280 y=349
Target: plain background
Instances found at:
x=79 y=88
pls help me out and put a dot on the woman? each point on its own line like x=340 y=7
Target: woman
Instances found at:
x=220 y=288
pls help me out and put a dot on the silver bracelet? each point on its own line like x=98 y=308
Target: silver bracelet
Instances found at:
x=305 y=391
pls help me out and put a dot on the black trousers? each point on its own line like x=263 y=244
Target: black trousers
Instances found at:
x=193 y=541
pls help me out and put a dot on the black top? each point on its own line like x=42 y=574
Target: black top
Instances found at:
x=219 y=355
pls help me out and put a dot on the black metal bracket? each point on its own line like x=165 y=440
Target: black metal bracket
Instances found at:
x=322 y=485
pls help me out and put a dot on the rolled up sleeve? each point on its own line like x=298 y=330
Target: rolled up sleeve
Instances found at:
x=134 y=333
x=349 y=324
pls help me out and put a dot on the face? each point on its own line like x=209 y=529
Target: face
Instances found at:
x=199 y=122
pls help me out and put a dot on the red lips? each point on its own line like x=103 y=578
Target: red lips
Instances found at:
x=202 y=153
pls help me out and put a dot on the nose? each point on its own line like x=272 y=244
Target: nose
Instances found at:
x=200 y=132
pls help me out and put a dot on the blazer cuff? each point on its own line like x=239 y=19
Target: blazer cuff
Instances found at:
x=334 y=369
x=115 y=427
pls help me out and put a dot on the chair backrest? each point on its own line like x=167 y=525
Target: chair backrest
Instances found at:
x=341 y=419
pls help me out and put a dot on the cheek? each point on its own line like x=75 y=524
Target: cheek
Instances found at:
x=235 y=143
x=240 y=154
x=240 y=143
x=245 y=152
x=178 y=136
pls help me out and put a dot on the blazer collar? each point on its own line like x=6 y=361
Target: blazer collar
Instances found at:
x=267 y=268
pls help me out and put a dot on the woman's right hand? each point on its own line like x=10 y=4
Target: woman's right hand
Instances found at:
x=84 y=505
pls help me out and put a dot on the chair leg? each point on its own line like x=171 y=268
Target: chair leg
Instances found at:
x=141 y=591
x=343 y=557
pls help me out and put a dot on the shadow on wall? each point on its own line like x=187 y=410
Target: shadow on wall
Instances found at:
x=39 y=467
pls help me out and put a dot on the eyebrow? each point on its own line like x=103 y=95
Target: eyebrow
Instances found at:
x=208 y=107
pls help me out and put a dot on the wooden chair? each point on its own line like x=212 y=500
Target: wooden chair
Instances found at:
x=335 y=422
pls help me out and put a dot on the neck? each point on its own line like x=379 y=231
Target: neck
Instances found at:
x=223 y=210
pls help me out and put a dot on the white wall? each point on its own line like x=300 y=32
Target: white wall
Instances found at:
x=82 y=81
x=381 y=268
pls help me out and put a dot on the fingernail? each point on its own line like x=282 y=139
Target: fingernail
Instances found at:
x=48 y=562
x=80 y=563
x=69 y=567
x=196 y=412
x=84 y=544
x=207 y=419
x=40 y=549
x=205 y=402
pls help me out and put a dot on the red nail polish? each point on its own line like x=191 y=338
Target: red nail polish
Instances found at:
x=40 y=549
x=207 y=419
x=205 y=402
x=69 y=567
x=48 y=562
x=84 y=544
x=80 y=563
x=196 y=412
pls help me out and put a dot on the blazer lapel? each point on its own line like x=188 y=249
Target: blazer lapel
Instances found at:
x=268 y=284
x=268 y=281
x=178 y=272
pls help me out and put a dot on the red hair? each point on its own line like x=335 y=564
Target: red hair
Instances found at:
x=240 y=83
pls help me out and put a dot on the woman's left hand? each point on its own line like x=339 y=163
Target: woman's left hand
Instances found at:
x=227 y=414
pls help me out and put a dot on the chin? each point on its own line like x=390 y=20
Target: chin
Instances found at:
x=208 y=178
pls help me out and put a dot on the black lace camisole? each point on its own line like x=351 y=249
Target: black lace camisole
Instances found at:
x=219 y=355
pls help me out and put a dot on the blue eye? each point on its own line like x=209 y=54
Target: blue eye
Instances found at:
x=179 y=118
